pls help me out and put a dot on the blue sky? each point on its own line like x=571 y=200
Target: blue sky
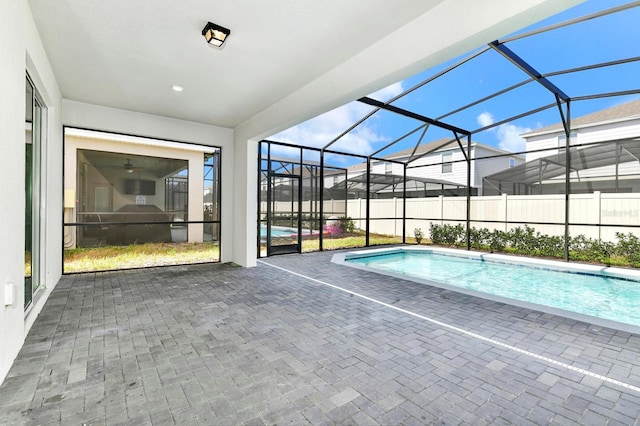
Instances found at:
x=604 y=39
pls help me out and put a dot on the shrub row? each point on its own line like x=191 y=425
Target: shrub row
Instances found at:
x=527 y=241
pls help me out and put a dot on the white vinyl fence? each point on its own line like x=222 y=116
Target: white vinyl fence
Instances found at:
x=592 y=213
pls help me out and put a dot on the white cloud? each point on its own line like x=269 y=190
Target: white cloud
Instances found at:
x=322 y=129
x=509 y=137
x=485 y=119
x=508 y=134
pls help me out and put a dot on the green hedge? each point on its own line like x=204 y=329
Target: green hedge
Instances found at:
x=526 y=240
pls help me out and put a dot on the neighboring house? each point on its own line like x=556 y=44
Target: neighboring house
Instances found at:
x=610 y=167
x=441 y=166
x=111 y=179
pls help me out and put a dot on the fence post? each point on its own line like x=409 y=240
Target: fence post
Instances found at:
x=395 y=215
x=597 y=196
x=441 y=202
x=505 y=213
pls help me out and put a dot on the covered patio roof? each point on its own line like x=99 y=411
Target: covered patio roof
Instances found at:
x=281 y=63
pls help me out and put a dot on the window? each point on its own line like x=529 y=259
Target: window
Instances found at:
x=388 y=168
x=212 y=197
x=562 y=139
x=34 y=114
x=512 y=162
x=176 y=199
x=447 y=166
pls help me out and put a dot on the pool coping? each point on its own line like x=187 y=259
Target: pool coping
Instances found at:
x=579 y=268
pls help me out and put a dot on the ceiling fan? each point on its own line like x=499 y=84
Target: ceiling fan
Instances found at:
x=128 y=167
x=116 y=165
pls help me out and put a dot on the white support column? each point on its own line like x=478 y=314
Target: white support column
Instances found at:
x=245 y=201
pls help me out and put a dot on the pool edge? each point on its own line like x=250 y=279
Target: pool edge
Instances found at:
x=341 y=259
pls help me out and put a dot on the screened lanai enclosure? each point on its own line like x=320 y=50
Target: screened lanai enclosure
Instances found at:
x=305 y=200
x=537 y=133
x=132 y=202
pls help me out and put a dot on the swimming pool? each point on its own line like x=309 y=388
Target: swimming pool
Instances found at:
x=596 y=294
x=280 y=231
x=277 y=231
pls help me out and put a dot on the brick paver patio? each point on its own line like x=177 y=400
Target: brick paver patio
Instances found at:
x=223 y=345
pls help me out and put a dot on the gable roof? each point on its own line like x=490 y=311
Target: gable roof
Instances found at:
x=622 y=112
x=441 y=143
x=434 y=146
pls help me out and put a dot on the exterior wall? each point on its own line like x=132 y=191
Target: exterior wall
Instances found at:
x=22 y=51
x=609 y=131
x=127 y=122
x=430 y=167
x=597 y=133
x=485 y=167
x=380 y=167
x=587 y=180
x=549 y=142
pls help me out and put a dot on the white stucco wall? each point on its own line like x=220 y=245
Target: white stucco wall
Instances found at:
x=22 y=51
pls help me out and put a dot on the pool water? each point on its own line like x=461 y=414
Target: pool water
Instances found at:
x=599 y=296
x=280 y=231
x=277 y=231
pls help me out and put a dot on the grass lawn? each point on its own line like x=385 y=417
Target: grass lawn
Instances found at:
x=138 y=255
x=353 y=240
x=162 y=254
x=349 y=241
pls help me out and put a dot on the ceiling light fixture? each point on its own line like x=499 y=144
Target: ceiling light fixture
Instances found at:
x=177 y=88
x=215 y=34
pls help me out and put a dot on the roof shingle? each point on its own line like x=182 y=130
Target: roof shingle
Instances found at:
x=626 y=110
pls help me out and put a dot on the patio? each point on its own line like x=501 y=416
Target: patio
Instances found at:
x=218 y=344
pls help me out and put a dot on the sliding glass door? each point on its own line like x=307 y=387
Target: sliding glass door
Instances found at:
x=32 y=187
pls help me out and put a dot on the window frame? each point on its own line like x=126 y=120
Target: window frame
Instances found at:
x=446 y=163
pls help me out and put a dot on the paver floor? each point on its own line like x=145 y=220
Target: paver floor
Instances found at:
x=223 y=345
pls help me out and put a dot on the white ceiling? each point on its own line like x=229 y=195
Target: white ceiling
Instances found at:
x=126 y=54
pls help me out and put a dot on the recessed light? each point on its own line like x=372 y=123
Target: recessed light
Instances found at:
x=177 y=88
